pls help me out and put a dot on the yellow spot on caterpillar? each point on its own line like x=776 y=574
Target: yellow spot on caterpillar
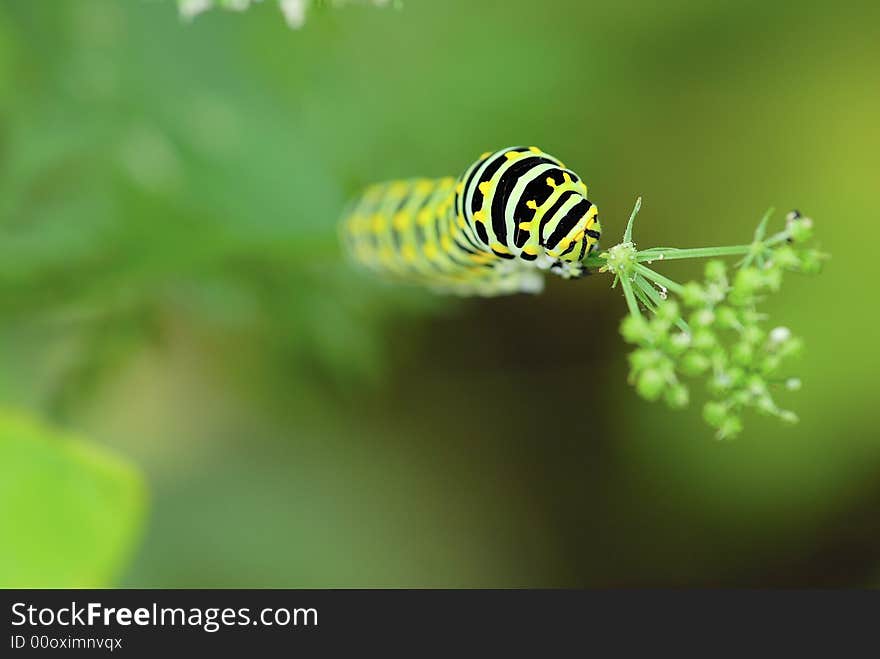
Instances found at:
x=378 y=223
x=461 y=221
x=525 y=226
x=401 y=220
x=531 y=250
x=397 y=189
x=424 y=217
x=430 y=250
x=535 y=150
x=531 y=203
x=424 y=187
x=446 y=243
x=512 y=155
x=566 y=177
x=485 y=186
x=578 y=237
x=551 y=182
x=485 y=155
x=460 y=187
x=501 y=249
x=480 y=216
x=409 y=253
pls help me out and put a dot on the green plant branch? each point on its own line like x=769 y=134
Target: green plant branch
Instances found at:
x=723 y=340
x=656 y=277
x=630 y=296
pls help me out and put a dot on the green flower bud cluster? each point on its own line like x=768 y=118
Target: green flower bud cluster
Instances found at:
x=712 y=329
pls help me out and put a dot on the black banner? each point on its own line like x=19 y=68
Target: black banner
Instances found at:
x=557 y=622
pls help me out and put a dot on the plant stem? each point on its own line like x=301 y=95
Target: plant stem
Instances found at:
x=670 y=253
x=642 y=295
x=628 y=232
x=630 y=296
x=648 y=289
x=649 y=274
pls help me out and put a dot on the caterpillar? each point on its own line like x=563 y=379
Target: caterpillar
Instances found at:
x=512 y=215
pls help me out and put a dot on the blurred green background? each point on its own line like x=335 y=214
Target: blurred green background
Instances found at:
x=171 y=289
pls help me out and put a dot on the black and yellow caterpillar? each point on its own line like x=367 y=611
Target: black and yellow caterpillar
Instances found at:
x=511 y=215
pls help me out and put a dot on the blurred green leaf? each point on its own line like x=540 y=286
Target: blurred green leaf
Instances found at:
x=58 y=491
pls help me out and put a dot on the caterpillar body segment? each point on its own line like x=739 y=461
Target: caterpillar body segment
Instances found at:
x=492 y=231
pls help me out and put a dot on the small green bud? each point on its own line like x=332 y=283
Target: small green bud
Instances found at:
x=660 y=326
x=715 y=293
x=801 y=230
x=643 y=358
x=677 y=396
x=634 y=329
x=693 y=363
x=730 y=428
x=714 y=413
x=726 y=318
x=753 y=335
x=650 y=384
x=791 y=348
x=748 y=280
x=716 y=271
x=704 y=339
x=765 y=405
x=756 y=386
x=740 y=398
x=743 y=353
x=668 y=311
x=666 y=368
x=702 y=318
x=679 y=342
x=770 y=364
x=727 y=380
x=737 y=376
x=811 y=261
x=693 y=295
x=772 y=278
x=793 y=384
x=786 y=257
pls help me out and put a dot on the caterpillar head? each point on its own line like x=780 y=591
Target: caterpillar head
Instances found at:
x=523 y=203
x=569 y=225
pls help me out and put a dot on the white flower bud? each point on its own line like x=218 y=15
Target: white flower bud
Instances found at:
x=779 y=335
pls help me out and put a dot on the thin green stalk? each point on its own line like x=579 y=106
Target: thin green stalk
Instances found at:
x=643 y=298
x=670 y=253
x=630 y=296
x=651 y=292
x=628 y=232
x=649 y=274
